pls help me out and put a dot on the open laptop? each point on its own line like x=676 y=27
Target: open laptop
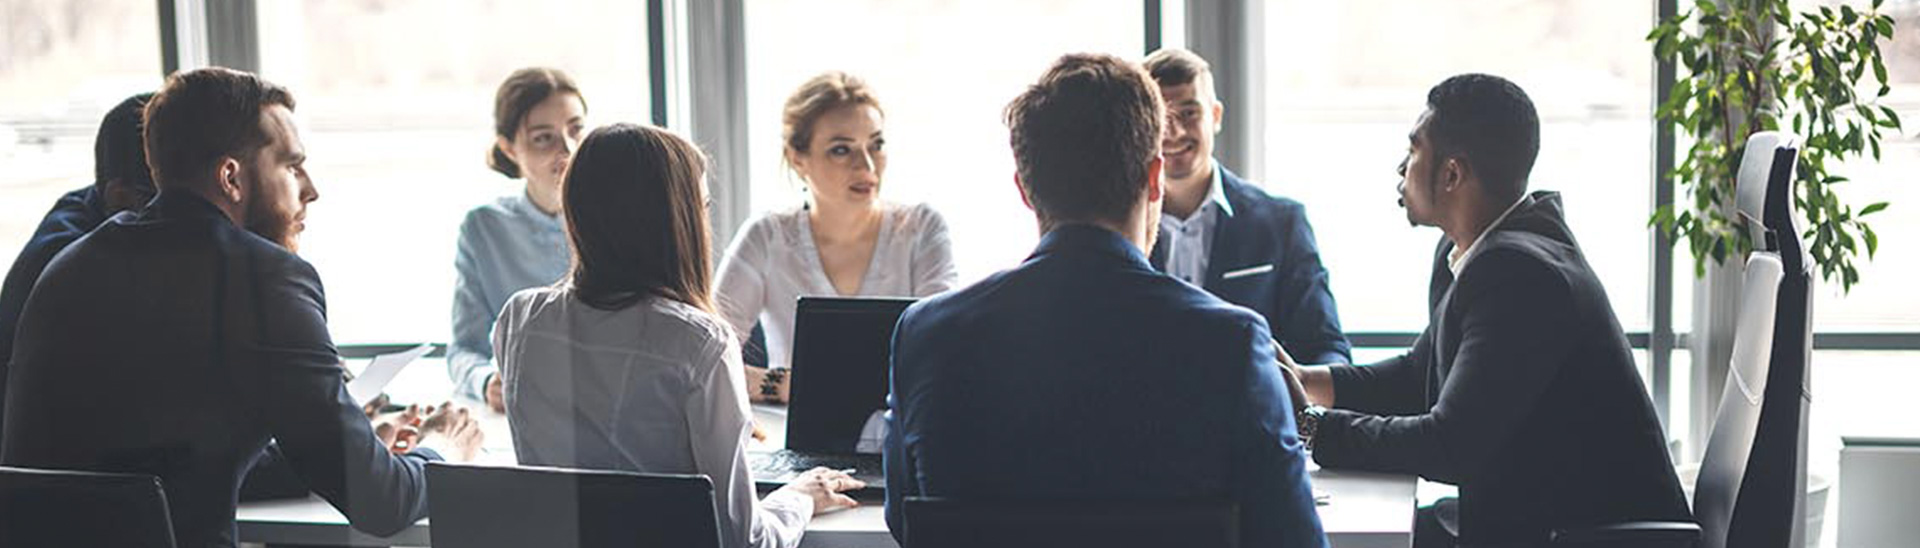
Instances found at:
x=842 y=348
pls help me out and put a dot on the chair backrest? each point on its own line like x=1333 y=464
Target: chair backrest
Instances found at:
x=71 y=508
x=487 y=507
x=1737 y=421
x=955 y=523
x=1765 y=506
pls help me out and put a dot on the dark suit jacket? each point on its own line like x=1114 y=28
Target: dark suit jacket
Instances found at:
x=1085 y=374
x=1268 y=247
x=174 y=343
x=75 y=214
x=1522 y=391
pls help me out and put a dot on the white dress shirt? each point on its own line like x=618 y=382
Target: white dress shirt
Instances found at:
x=656 y=387
x=1457 y=260
x=773 y=262
x=1190 y=240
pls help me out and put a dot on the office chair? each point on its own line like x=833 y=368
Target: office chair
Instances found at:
x=72 y=508
x=933 y=522
x=500 y=507
x=1753 y=482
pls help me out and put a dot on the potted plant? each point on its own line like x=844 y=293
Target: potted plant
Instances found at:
x=1758 y=65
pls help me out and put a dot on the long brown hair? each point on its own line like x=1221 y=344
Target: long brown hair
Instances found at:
x=523 y=90
x=637 y=218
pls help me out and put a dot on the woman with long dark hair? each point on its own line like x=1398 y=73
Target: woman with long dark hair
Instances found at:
x=624 y=365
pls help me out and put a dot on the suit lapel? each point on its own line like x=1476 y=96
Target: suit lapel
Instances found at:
x=1225 y=253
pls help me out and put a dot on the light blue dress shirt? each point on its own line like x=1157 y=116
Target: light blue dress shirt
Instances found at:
x=504 y=247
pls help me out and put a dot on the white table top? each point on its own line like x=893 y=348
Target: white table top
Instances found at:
x=1363 y=509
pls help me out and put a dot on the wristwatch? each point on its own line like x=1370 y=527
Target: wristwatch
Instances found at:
x=1307 y=420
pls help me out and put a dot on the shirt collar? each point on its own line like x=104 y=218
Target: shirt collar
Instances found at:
x=1457 y=260
x=1089 y=237
x=523 y=205
x=1216 y=195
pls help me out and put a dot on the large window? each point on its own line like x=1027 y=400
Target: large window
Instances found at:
x=397 y=103
x=944 y=70
x=1346 y=80
x=67 y=63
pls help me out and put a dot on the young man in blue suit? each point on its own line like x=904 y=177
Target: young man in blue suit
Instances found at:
x=1224 y=234
x=1083 y=374
x=177 y=341
x=1522 y=391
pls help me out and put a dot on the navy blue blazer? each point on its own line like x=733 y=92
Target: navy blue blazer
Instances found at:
x=1264 y=257
x=75 y=214
x=1522 y=391
x=1085 y=374
x=174 y=343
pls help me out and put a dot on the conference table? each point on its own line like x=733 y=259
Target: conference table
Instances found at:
x=1360 y=510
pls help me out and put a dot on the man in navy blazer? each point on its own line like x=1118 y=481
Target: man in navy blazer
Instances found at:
x=1083 y=373
x=177 y=341
x=120 y=183
x=1219 y=232
x=1522 y=390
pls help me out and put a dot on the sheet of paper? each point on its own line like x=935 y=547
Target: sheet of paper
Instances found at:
x=381 y=371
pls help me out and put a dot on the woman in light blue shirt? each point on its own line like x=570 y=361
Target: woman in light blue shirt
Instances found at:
x=517 y=241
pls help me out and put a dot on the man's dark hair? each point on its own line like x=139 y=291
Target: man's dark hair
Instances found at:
x=203 y=115
x=118 y=154
x=1176 y=66
x=1490 y=123
x=1084 y=136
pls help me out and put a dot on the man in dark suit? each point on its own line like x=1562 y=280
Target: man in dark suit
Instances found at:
x=1522 y=390
x=1219 y=232
x=177 y=341
x=120 y=183
x=1083 y=373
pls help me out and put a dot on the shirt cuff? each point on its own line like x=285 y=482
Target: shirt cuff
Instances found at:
x=476 y=386
x=788 y=507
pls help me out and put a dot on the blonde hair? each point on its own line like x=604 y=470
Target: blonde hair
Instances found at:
x=819 y=95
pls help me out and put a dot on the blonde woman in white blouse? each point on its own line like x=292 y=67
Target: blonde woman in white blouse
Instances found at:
x=623 y=365
x=845 y=241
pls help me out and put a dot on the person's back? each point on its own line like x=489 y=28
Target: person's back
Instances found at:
x=1083 y=374
x=625 y=366
x=1086 y=375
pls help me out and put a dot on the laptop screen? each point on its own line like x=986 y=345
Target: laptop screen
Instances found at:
x=841 y=352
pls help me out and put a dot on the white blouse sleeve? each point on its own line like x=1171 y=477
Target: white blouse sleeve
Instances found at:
x=717 y=425
x=932 y=255
x=741 y=288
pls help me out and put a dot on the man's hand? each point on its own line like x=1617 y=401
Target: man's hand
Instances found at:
x=399 y=432
x=450 y=430
x=1307 y=384
x=825 y=486
x=496 y=393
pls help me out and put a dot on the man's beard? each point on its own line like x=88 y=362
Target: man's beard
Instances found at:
x=273 y=225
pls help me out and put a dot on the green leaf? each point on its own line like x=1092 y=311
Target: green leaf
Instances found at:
x=1873 y=208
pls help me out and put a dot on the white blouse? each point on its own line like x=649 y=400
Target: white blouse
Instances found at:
x=773 y=262
x=656 y=387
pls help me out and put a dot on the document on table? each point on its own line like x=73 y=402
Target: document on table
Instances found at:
x=381 y=371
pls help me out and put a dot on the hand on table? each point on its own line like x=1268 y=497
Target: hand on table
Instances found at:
x=452 y=431
x=496 y=394
x=825 y=486
x=398 y=431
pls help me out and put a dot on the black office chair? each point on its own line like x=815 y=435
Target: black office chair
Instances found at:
x=1753 y=483
x=70 y=508
x=933 y=522
x=502 y=507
